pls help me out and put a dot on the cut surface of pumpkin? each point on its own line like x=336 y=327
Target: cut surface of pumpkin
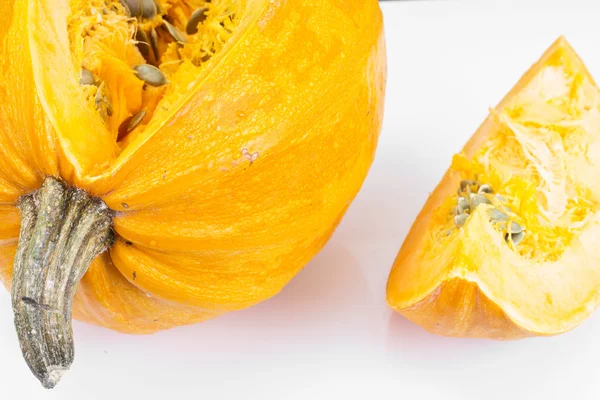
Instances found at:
x=506 y=245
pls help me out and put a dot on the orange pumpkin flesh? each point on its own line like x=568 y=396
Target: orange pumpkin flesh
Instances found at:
x=241 y=169
x=538 y=150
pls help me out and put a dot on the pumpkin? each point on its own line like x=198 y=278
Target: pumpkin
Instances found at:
x=506 y=246
x=210 y=147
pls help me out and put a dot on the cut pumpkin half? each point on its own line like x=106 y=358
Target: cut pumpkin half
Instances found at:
x=507 y=246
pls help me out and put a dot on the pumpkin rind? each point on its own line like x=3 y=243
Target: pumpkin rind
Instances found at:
x=476 y=286
x=204 y=225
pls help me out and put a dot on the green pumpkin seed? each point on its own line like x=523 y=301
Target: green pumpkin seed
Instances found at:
x=196 y=18
x=497 y=215
x=175 y=33
x=135 y=120
x=133 y=7
x=463 y=205
x=99 y=98
x=477 y=199
x=150 y=74
x=517 y=238
x=485 y=188
x=143 y=43
x=460 y=220
x=516 y=228
x=154 y=43
x=149 y=9
x=87 y=78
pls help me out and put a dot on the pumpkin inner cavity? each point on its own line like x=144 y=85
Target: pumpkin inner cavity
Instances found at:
x=472 y=194
x=537 y=156
x=139 y=57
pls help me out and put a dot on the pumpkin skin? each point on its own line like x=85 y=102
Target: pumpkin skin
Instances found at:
x=470 y=282
x=201 y=230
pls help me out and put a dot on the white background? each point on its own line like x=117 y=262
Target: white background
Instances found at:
x=329 y=334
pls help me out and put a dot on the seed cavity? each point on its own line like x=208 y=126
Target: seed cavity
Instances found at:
x=196 y=18
x=471 y=194
x=135 y=120
x=150 y=74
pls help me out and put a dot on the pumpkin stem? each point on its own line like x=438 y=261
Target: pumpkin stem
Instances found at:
x=62 y=230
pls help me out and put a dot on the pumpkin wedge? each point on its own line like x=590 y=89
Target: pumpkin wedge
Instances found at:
x=506 y=246
x=194 y=154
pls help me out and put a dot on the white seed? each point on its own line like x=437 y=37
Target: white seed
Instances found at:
x=150 y=74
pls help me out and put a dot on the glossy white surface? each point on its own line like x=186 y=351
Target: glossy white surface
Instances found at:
x=329 y=334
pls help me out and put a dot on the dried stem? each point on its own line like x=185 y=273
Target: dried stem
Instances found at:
x=62 y=230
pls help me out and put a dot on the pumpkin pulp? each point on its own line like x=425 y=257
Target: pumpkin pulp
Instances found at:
x=536 y=151
x=125 y=46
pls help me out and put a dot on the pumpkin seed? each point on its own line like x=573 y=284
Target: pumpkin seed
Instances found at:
x=477 y=199
x=133 y=7
x=87 y=78
x=516 y=228
x=108 y=104
x=149 y=9
x=516 y=238
x=463 y=205
x=99 y=98
x=143 y=43
x=460 y=220
x=497 y=215
x=196 y=18
x=501 y=198
x=175 y=33
x=154 y=43
x=485 y=188
x=150 y=74
x=135 y=120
